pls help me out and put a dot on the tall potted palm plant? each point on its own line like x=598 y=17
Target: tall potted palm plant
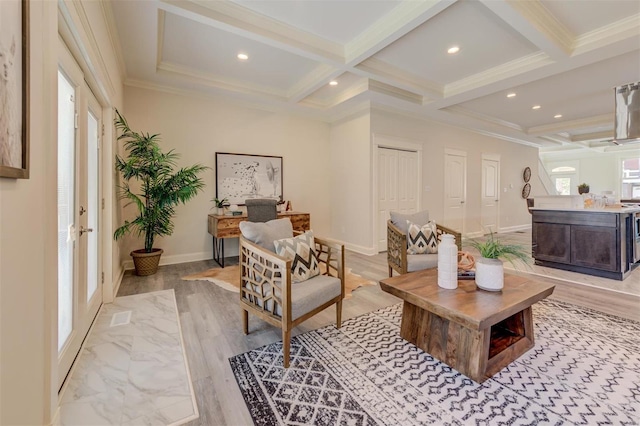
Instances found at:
x=162 y=188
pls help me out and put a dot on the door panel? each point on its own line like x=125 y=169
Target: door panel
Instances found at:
x=455 y=190
x=490 y=195
x=79 y=210
x=387 y=191
x=398 y=185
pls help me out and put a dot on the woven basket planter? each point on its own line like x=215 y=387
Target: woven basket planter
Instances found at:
x=146 y=263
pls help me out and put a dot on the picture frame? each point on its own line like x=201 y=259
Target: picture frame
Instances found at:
x=243 y=176
x=14 y=89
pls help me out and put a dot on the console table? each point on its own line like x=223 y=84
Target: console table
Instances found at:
x=224 y=226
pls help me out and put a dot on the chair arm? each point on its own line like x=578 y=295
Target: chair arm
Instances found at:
x=396 y=248
x=264 y=276
x=331 y=254
x=444 y=230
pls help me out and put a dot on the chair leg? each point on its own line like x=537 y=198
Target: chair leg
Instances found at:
x=390 y=271
x=339 y=313
x=286 y=346
x=245 y=321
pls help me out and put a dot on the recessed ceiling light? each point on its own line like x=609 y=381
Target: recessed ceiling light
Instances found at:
x=243 y=56
x=454 y=49
x=535 y=107
x=557 y=116
x=333 y=83
x=511 y=95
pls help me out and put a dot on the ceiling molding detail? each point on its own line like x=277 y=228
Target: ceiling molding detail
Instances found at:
x=600 y=120
x=627 y=28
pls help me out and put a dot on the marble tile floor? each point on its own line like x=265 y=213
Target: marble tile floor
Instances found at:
x=134 y=373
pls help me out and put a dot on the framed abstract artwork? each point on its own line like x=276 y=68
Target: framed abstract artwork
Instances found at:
x=243 y=176
x=14 y=89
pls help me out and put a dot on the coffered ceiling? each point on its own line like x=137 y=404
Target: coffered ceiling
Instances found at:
x=563 y=55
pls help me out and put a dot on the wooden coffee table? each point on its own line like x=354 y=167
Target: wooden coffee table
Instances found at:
x=476 y=332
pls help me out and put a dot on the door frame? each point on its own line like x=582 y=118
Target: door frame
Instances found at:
x=379 y=140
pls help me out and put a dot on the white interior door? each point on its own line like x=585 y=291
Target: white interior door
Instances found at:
x=455 y=189
x=490 y=193
x=387 y=191
x=79 y=211
x=398 y=185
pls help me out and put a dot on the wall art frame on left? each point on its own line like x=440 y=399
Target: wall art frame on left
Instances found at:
x=14 y=89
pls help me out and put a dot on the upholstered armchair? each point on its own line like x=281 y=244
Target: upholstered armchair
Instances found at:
x=267 y=280
x=398 y=258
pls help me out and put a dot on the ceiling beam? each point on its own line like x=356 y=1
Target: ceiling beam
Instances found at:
x=533 y=21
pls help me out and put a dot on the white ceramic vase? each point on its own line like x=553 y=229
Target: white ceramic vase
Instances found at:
x=447 y=262
x=220 y=210
x=489 y=274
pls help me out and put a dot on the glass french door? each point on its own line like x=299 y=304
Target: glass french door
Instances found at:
x=79 y=210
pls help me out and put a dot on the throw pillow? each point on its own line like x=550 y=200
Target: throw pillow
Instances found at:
x=400 y=219
x=301 y=251
x=265 y=233
x=422 y=239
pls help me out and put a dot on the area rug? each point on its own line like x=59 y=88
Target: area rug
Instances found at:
x=229 y=279
x=584 y=369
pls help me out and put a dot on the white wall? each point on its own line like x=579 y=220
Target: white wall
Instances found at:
x=350 y=174
x=600 y=170
x=436 y=138
x=197 y=128
x=28 y=230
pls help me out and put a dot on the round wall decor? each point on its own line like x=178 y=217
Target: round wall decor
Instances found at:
x=526 y=175
x=526 y=189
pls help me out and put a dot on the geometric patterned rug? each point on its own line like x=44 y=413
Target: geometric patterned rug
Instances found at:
x=583 y=370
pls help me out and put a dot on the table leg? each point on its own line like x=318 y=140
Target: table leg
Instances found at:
x=218 y=251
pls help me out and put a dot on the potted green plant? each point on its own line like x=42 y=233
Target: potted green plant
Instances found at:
x=489 y=267
x=583 y=188
x=220 y=204
x=161 y=189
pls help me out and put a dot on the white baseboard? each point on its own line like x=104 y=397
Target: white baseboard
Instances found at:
x=514 y=228
x=369 y=251
x=116 y=284
x=473 y=235
x=176 y=258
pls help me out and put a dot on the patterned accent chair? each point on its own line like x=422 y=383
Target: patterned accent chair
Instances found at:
x=266 y=286
x=397 y=257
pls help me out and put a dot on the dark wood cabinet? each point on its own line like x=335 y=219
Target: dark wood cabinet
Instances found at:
x=588 y=242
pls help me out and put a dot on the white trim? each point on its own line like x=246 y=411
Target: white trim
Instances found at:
x=368 y=251
x=174 y=259
x=116 y=284
x=514 y=228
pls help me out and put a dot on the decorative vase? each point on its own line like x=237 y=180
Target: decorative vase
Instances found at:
x=583 y=190
x=220 y=210
x=447 y=262
x=489 y=274
x=146 y=263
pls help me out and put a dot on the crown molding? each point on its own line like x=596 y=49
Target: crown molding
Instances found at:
x=392 y=75
x=627 y=28
x=456 y=109
x=112 y=31
x=498 y=73
x=209 y=80
x=395 y=92
x=343 y=96
x=547 y=24
x=594 y=136
x=239 y=20
x=582 y=123
x=405 y=17
x=313 y=81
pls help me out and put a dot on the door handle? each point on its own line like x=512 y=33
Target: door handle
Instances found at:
x=83 y=230
x=461 y=202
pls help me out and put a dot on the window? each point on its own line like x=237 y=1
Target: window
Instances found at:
x=563 y=185
x=630 y=178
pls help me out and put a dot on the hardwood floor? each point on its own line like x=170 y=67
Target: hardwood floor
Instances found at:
x=212 y=327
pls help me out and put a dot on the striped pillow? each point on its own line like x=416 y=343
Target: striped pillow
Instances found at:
x=422 y=239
